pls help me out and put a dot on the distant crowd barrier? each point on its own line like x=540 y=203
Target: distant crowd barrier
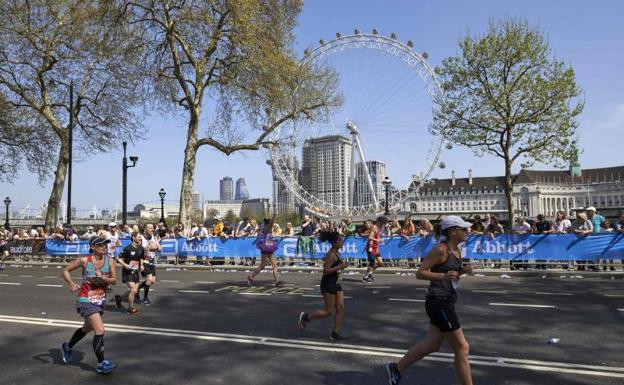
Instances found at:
x=556 y=247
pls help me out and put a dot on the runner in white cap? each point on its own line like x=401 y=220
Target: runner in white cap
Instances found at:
x=442 y=267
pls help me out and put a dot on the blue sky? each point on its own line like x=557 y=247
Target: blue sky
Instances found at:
x=586 y=34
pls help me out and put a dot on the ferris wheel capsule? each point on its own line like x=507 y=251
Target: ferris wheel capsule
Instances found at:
x=442 y=165
x=449 y=146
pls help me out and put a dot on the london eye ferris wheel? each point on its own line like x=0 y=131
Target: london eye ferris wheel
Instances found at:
x=344 y=165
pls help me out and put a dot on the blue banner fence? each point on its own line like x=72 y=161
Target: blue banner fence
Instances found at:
x=546 y=247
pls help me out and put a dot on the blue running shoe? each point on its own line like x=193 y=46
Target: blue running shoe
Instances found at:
x=105 y=367
x=147 y=302
x=67 y=352
x=392 y=372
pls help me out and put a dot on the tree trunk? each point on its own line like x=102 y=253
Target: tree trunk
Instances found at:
x=188 y=171
x=508 y=193
x=54 y=201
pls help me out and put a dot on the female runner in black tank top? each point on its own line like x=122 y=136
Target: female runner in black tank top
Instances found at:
x=330 y=288
x=442 y=267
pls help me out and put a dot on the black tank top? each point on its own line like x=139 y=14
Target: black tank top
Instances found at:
x=444 y=290
x=332 y=279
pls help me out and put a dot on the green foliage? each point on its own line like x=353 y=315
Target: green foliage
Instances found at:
x=506 y=95
x=286 y=217
x=231 y=217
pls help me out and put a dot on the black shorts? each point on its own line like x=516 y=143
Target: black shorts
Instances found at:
x=331 y=289
x=130 y=276
x=4 y=248
x=85 y=309
x=148 y=268
x=442 y=314
x=372 y=258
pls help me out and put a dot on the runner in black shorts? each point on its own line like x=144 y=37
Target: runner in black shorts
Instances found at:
x=150 y=245
x=330 y=288
x=131 y=261
x=442 y=267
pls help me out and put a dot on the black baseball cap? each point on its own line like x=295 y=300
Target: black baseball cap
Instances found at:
x=99 y=241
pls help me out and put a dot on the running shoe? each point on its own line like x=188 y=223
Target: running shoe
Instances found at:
x=337 y=337
x=303 y=322
x=147 y=302
x=278 y=284
x=133 y=311
x=371 y=278
x=365 y=278
x=392 y=372
x=105 y=367
x=118 y=302
x=250 y=281
x=67 y=352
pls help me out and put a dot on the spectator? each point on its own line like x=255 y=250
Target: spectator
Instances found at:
x=425 y=228
x=20 y=234
x=89 y=234
x=561 y=224
x=521 y=226
x=394 y=228
x=32 y=233
x=289 y=231
x=366 y=228
x=542 y=226
x=218 y=228
x=253 y=228
x=228 y=229
x=582 y=226
x=619 y=225
x=40 y=233
x=71 y=236
x=595 y=219
x=58 y=234
x=243 y=229
x=487 y=220
x=348 y=228
x=277 y=230
x=408 y=229
x=494 y=228
x=477 y=225
x=126 y=232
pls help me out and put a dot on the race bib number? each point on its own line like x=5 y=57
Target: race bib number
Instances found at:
x=97 y=296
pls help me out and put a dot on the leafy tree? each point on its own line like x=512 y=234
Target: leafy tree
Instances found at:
x=21 y=145
x=231 y=217
x=47 y=45
x=506 y=95
x=234 y=58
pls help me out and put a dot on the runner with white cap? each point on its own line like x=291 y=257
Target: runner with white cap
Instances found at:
x=442 y=267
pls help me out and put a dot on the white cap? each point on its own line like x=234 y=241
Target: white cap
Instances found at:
x=112 y=224
x=454 y=221
x=591 y=208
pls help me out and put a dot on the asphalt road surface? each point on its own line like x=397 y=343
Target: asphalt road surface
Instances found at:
x=210 y=328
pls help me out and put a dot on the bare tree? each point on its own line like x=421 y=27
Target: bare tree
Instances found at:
x=236 y=59
x=45 y=46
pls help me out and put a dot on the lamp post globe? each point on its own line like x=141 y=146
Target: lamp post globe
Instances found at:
x=7 y=202
x=162 y=193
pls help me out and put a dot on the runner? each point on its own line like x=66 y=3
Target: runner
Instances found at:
x=372 y=249
x=267 y=245
x=5 y=237
x=98 y=271
x=442 y=267
x=330 y=288
x=131 y=260
x=150 y=245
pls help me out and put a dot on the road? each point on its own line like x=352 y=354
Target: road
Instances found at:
x=210 y=328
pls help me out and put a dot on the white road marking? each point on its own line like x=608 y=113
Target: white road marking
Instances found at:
x=205 y=282
x=614 y=295
x=533 y=365
x=26 y=276
x=406 y=300
x=50 y=276
x=491 y=291
x=377 y=287
x=194 y=291
x=312 y=295
x=169 y=280
x=546 y=293
x=521 y=305
x=4 y=275
x=10 y=283
x=620 y=309
x=255 y=293
x=44 y=285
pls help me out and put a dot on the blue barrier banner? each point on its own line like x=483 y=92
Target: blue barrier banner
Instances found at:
x=558 y=247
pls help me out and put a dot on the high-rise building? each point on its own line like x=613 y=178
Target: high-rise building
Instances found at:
x=241 y=190
x=377 y=172
x=326 y=168
x=226 y=189
x=196 y=201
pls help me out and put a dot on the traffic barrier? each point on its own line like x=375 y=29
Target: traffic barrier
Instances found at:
x=546 y=247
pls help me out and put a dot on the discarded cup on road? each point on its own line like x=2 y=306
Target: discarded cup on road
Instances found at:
x=553 y=341
x=505 y=276
x=43 y=314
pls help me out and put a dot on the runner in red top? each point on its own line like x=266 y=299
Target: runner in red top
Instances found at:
x=372 y=249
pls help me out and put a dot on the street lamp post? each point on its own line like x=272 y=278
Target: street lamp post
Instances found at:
x=162 y=194
x=386 y=183
x=124 y=192
x=7 y=202
x=70 y=152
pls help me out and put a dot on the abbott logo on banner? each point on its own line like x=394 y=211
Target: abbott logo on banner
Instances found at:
x=347 y=248
x=200 y=247
x=496 y=247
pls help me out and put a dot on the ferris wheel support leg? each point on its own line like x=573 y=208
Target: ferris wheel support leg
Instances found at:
x=356 y=137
